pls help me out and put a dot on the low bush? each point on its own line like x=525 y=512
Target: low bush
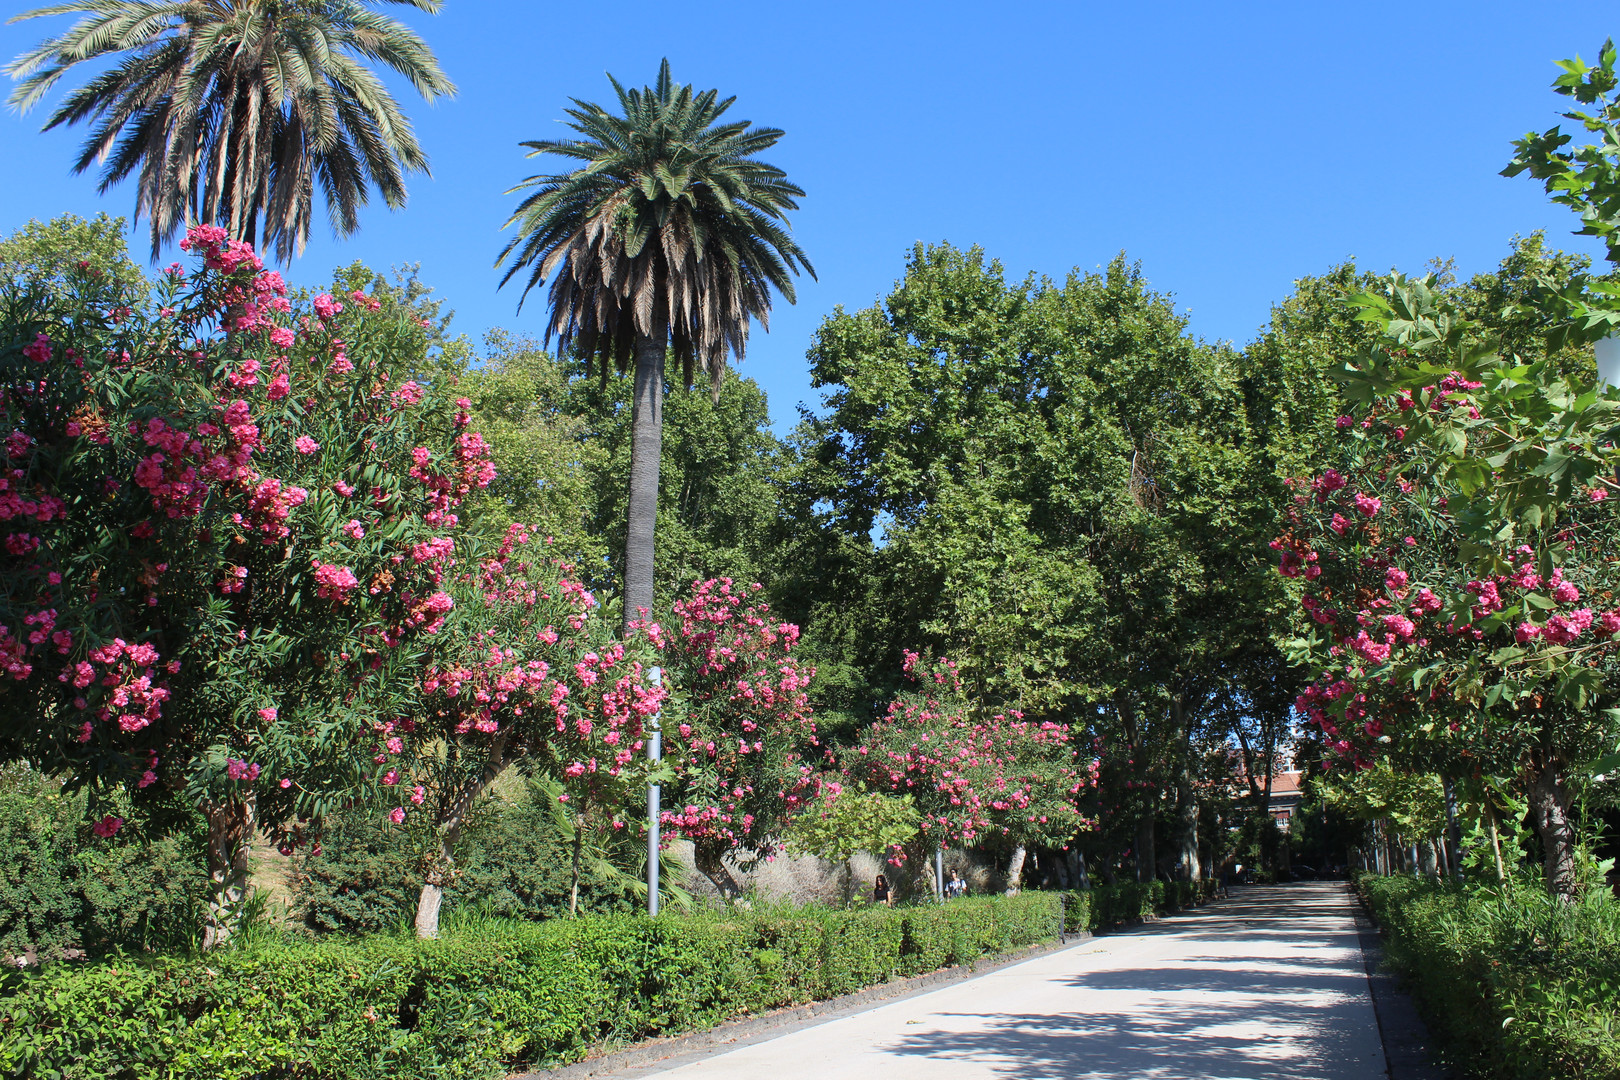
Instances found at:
x=1127 y=901
x=63 y=889
x=512 y=861
x=491 y=996
x=1514 y=985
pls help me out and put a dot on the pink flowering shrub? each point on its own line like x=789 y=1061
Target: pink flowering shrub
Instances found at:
x=738 y=728
x=525 y=666
x=209 y=540
x=1456 y=580
x=973 y=774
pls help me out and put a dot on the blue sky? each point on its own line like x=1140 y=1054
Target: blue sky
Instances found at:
x=1230 y=148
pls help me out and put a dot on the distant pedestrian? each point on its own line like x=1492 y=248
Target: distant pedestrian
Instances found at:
x=880 y=892
x=955 y=886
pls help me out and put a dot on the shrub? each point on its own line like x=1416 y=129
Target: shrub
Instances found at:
x=513 y=859
x=62 y=888
x=1103 y=906
x=1513 y=983
x=481 y=1001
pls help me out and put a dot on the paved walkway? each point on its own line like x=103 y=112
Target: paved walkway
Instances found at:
x=1269 y=984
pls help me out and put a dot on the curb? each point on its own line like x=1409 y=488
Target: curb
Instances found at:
x=1400 y=1028
x=655 y=1055
x=779 y=1021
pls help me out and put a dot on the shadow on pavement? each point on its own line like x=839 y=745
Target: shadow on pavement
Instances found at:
x=1272 y=1006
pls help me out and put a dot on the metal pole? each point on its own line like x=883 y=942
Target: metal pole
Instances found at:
x=939 y=871
x=655 y=754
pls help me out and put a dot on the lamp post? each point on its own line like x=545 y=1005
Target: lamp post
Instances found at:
x=655 y=754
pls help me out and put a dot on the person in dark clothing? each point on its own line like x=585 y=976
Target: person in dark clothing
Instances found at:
x=880 y=892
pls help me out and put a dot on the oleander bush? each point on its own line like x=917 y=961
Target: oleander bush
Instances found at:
x=490 y=996
x=1514 y=984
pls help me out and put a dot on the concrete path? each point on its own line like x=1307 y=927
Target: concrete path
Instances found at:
x=1269 y=984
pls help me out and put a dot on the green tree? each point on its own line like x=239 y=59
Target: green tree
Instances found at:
x=231 y=112
x=42 y=254
x=668 y=238
x=1052 y=481
x=563 y=445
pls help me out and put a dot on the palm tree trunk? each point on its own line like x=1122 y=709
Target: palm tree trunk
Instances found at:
x=646 y=450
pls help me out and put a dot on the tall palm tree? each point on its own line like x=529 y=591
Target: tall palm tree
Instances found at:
x=670 y=238
x=232 y=111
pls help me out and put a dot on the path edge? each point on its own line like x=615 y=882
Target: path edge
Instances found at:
x=734 y=1033
x=1401 y=1030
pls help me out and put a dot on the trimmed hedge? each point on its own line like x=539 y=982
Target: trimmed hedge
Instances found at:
x=1513 y=984
x=495 y=997
x=1128 y=901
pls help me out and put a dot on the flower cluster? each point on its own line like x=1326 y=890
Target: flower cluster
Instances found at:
x=972 y=772
x=216 y=483
x=744 y=721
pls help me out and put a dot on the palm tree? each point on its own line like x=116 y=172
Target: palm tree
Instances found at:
x=670 y=238
x=232 y=111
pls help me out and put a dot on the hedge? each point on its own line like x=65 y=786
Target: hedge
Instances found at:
x=1111 y=905
x=1513 y=984
x=495 y=996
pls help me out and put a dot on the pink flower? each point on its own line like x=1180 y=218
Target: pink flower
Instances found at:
x=268 y=715
x=1368 y=505
x=1343 y=422
x=285 y=783
x=306 y=445
x=1598 y=494
x=107 y=825
x=39 y=351
x=355 y=530
x=418 y=793
x=1609 y=623
x=1526 y=632
x=280 y=387
x=397 y=815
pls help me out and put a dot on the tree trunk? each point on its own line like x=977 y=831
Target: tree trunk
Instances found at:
x=1496 y=840
x=573 y=880
x=443 y=868
x=231 y=826
x=1549 y=812
x=1453 y=832
x=1187 y=867
x=1015 y=870
x=709 y=858
x=1146 y=853
x=646 y=449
